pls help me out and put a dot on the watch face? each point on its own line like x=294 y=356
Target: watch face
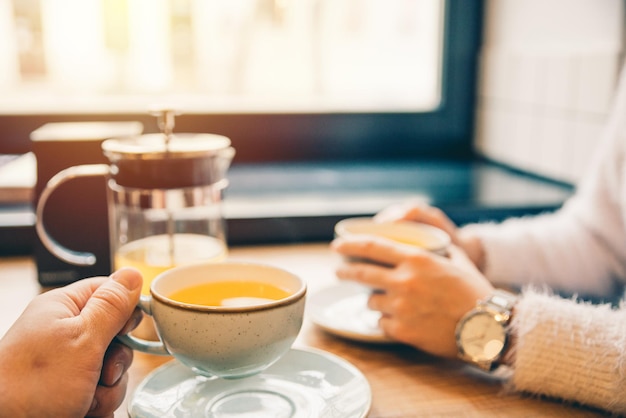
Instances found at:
x=482 y=337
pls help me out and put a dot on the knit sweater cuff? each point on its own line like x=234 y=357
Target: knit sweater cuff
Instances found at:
x=569 y=350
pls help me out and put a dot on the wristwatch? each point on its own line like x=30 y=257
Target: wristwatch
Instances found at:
x=482 y=334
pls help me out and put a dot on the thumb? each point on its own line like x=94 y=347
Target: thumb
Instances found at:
x=111 y=305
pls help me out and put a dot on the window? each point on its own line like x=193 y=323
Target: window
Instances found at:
x=222 y=55
x=363 y=91
x=285 y=79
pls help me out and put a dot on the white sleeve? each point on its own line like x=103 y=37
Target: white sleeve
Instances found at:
x=566 y=251
x=569 y=350
x=581 y=247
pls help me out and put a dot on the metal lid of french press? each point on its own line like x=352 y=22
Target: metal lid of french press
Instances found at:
x=166 y=160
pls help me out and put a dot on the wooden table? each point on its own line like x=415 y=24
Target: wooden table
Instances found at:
x=405 y=382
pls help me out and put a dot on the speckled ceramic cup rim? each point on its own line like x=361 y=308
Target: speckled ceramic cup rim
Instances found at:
x=367 y=226
x=293 y=297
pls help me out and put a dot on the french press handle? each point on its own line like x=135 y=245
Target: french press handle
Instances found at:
x=70 y=256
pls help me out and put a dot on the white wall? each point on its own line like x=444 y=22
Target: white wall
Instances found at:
x=548 y=73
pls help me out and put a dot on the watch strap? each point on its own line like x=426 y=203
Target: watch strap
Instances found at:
x=502 y=302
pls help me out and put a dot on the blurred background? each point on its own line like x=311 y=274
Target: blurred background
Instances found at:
x=335 y=107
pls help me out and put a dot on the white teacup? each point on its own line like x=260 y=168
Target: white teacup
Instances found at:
x=244 y=335
x=405 y=232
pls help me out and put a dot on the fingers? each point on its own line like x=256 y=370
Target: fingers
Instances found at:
x=111 y=388
x=377 y=249
x=117 y=360
x=369 y=275
x=112 y=304
x=379 y=302
x=390 y=322
x=132 y=322
x=401 y=212
x=418 y=211
x=385 y=254
x=108 y=398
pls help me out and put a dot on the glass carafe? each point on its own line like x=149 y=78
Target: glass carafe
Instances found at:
x=164 y=197
x=165 y=204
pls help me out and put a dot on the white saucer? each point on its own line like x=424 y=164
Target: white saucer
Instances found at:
x=304 y=383
x=342 y=310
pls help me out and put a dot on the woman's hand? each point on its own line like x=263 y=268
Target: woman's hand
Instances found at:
x=424 y=213
x=423 y=295
x=60 y=359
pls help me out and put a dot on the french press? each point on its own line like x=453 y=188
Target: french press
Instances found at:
x=164 y=198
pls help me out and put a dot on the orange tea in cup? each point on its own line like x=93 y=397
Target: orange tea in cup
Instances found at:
x=230 y=293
